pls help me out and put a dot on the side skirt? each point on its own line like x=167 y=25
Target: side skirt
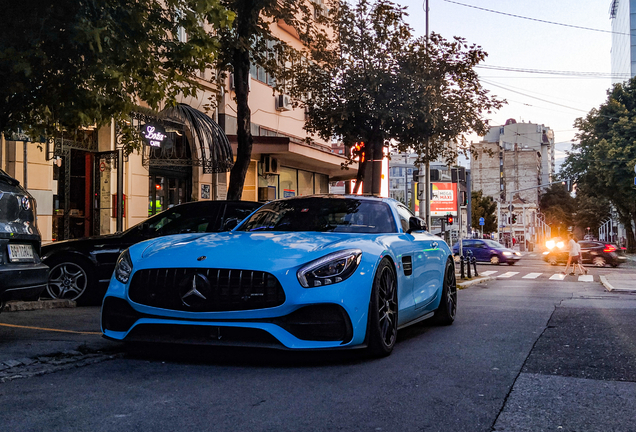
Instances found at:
x=415 y=321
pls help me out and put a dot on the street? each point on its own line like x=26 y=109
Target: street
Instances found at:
x=525 y=354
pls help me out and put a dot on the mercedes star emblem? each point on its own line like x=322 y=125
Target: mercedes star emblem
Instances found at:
x=199 y=283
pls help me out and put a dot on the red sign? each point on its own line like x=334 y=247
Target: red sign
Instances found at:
x=444 y=199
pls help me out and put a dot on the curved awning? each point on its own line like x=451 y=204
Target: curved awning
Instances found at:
x=210 y=146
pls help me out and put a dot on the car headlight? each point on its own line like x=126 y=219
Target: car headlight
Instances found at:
x=560 y=245
x=124 y=267
x=550 y=244
x=507 y=253
x=329 y=269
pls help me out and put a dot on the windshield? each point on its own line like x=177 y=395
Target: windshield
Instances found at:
x=322 y=215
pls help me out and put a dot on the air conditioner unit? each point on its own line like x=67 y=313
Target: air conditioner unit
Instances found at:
x=283 y=103
x=270 y=165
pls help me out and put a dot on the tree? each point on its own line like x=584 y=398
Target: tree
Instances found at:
x=250 y=42
x=604 y=159
x=591 y=211
x=382 y=84
x=559 y=208
x=483 y=206
x=67 y=64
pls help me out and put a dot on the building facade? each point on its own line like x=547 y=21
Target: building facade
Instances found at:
x=510 y=164
x=623 y=54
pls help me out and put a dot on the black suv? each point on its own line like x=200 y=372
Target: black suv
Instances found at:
x=22 y=274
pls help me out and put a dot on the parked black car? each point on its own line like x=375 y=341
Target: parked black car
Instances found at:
x=592 y=252
x=22 y=274
x=81 y=268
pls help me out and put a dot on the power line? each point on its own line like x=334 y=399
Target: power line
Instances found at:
x=555 y=72
x=537 y=20
x=534 y=97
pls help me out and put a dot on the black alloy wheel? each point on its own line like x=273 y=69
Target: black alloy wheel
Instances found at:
x=447 y=310
x=383 y=311
x=70 y=279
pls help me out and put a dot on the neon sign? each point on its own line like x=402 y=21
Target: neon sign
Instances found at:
x=154 y=135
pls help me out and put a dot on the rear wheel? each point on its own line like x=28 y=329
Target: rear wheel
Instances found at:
x=599 y=261
x=445 y=313
x=494 y=260
x=383 y=311
x=71 y=279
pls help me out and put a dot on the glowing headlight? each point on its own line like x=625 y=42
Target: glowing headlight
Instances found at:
x=329 y=269
x=549 y=244
x=507 y=253
x=560 y=245
x=124 y=267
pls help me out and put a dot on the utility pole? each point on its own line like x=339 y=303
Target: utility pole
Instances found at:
x=425 y=212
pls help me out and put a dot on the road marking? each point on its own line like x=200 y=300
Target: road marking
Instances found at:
x=50 y=329
x=507 y=274
x=557 y=276
x=532 y=276
x=488 y=273
x=586 y=278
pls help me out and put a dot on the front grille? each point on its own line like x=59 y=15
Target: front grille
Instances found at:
x=206 y=290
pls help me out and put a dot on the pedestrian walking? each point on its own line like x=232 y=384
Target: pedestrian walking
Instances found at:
x=574 y=256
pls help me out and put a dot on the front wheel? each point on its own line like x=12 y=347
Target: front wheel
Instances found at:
x=383 y=311
x=494 y=260
x=447 y=310
x=553 y=260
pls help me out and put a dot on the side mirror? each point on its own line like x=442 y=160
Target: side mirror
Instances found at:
x=416 y=224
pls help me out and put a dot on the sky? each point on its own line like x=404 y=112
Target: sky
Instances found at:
x=552 y=100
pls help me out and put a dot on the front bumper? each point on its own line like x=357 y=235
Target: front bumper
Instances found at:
x=330 y=317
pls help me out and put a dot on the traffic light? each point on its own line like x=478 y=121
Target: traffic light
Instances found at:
x=416 y=175
x=514 y=218
x=449 y=219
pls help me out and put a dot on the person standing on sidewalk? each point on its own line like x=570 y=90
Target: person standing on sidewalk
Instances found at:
x=574 y=256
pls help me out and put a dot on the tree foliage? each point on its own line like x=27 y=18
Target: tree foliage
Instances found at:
x=602 y=163
x=68 y=64
x=382 y=84
x=483 y=206
x=559 y=208
x=250 y=42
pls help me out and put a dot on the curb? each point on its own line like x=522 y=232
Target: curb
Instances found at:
x=16 y=306
x=469 y=282
x=609 y=287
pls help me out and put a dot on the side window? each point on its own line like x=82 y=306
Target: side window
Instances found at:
x=468 y=243
x=405 y=214
x=238 y=213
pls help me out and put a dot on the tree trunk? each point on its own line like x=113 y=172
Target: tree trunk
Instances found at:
x=373 y=166
x=244 y=132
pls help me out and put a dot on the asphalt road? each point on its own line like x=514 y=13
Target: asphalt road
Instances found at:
x=523 y=355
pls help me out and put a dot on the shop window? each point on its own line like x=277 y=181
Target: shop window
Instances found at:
x=288 y=182
x=305 y=183
x=322 y=184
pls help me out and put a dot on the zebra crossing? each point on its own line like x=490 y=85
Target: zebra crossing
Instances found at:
x=535 y=275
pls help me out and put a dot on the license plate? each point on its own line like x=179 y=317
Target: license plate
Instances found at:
x=21 y=253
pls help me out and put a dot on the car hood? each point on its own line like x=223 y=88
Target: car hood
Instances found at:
x=256 y=250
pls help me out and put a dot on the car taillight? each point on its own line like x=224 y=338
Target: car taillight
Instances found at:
x=609 y=248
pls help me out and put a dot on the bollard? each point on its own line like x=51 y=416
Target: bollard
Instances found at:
x=474 y=260
x=461 y=267
x=468 y=256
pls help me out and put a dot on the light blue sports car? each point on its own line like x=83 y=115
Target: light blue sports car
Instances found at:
x=304 y=273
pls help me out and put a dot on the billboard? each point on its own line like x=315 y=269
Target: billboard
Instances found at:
x=443 y=199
